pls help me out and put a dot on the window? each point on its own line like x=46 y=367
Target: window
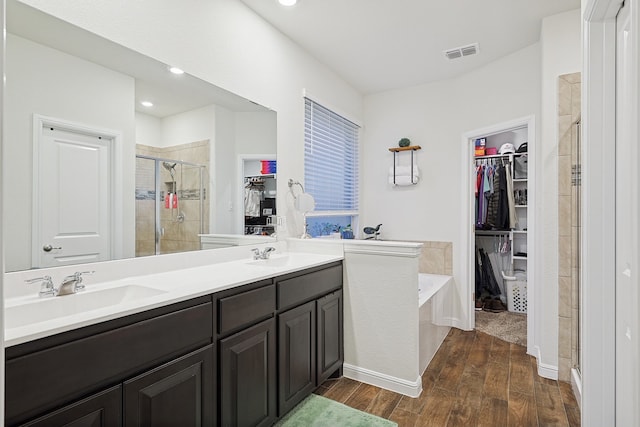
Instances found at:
x=330 y=169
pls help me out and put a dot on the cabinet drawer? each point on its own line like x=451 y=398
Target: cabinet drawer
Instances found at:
x=46 y=379
x=300 y=289
x=102 y=409
x=244 y=309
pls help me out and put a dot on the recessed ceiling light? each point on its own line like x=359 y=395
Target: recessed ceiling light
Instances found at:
x=288 y=2
x=176 y=70
x=147 y=103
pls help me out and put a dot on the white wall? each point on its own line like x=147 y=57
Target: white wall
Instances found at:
x=148 y=130
x=225 y=43
x=561 y=54
x=256 y=133
x=435 y=116
x=223 y=164
x=40 y=80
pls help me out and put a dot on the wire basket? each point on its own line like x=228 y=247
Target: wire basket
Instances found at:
x=517 y=296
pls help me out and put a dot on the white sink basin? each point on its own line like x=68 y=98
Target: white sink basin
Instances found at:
x=46 y=309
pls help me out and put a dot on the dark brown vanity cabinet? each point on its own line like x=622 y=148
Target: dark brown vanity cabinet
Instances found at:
x=103 y=409
x=330 y=336
x=179 y=393
x=248 y=376
x=310 y=340
x=165 y=353
x=240 y=357
x=297 y=348
x=285 y=337
x=247 y=361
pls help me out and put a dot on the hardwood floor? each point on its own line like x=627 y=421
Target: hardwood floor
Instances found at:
x=473 y=380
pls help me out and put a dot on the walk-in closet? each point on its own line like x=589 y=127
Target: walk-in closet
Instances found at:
x=259 y=197
x=500 y=185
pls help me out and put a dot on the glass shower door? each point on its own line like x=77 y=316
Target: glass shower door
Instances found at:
x=145 y=206
x=182 y=216
x=171 y=208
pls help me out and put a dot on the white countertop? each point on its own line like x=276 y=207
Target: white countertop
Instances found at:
x=144 y=292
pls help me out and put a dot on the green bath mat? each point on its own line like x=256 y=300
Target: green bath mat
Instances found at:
x=318 y=411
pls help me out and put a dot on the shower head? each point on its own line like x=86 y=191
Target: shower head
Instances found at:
x=169 y=166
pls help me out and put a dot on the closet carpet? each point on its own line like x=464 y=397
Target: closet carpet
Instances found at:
x=510 y=327
x=473 y=380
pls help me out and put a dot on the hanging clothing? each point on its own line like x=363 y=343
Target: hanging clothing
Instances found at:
x=486 y=188
x=487 y=278
x=251 y=202
x=497 y=205
x=480 y=196
x=513 y=219
x=502 y=222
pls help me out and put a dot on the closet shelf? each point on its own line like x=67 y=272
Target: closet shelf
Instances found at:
x=409 y=148
x=520 y=206
x=268 y=175
x=492 y=232
x=499 y=156
x=524 y=258
x=519 y=231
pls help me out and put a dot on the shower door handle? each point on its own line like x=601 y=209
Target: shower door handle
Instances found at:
x=48 y=248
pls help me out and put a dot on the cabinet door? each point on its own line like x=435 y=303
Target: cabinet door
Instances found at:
x=248 y=376
x=330 y=335
x=102 y=409
x=297 y=355
x=179 y=393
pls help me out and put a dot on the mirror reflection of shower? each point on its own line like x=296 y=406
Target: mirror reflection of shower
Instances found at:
x=170 y=205
x=171 y=196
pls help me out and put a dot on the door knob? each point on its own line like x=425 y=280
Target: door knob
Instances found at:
x=48 y=248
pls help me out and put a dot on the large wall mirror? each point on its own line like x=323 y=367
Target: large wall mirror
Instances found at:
x=91 y=174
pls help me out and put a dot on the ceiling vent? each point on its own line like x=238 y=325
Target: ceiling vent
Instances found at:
x=459 y=52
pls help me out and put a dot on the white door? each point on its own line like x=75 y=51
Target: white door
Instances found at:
x=72 y=205
x=626 y=286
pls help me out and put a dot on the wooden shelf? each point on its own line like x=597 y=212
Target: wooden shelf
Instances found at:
x=409 y=148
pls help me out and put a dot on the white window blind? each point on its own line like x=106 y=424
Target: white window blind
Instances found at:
x=330 y=160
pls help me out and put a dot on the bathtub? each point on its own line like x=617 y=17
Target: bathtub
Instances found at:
x=429 y=285
x=433 y=294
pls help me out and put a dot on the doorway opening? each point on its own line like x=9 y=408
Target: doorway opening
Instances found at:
x=499 y=229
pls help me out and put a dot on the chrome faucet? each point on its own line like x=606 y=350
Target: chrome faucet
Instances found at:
x=264 y=254
x=46 y=286
x=70 y=284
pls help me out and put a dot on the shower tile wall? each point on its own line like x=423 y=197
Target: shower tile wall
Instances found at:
x=436 y=258
x=145 y=207
x=569 y=91
x=178 y=236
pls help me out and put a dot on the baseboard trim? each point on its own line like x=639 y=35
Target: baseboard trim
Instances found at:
x=408 y=388
x=544 y=370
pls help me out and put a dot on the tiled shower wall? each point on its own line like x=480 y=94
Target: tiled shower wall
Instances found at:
x=436 y=258
x=178 y=236
x=569 y=86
